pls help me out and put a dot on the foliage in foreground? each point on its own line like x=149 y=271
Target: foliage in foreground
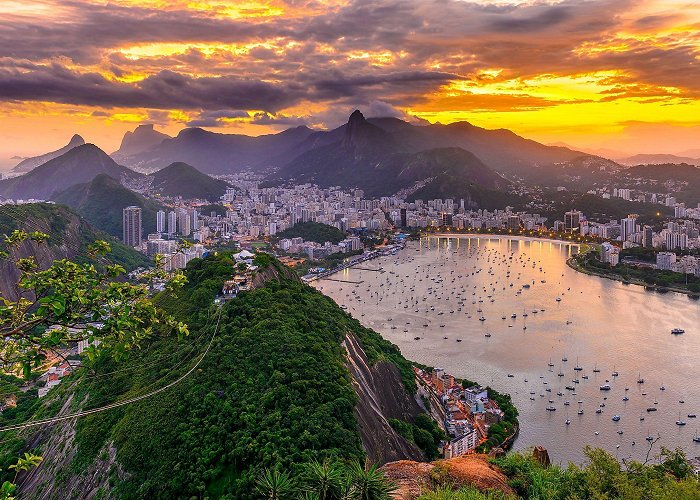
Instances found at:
x=603 y=477
x=325 y=481
x=69 y=302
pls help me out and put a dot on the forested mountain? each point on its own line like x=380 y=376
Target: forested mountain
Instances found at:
x=181 y=179
x=367 y=156
x=69 y=236
x=31 y=163
x=79 y=165
x=279 y=384
x=102 y=200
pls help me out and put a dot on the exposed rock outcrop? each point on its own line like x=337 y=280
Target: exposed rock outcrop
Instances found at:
x=415 y=478
x=381 y=396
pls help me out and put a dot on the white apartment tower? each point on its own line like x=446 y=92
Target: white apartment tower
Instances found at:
x=131 y=224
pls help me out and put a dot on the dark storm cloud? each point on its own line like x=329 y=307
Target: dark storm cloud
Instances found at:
x=548 y=18
x=307 y=58
x=165 y=90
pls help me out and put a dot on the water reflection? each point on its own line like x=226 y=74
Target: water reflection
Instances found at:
x=442 y=287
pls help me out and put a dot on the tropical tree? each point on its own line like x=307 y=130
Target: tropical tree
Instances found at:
x=70 y=302
x=369 y=483
x=324 y=479
x=273 y=484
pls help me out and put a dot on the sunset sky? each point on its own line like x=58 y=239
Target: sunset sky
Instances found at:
x=617 y=74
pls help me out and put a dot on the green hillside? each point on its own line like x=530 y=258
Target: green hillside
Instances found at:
x=273 y=388
x=102 y=200
x=313 y=231
x=69 y=236
x=78 y=165
x=181 y=179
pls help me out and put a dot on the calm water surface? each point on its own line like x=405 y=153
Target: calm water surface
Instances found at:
x=598 y=323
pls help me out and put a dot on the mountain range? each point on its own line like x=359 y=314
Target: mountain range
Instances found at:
x=29 y=164
x=215 y=153
x=382 y=156
x=658 y=159
x=142 y=139
x=78 y=165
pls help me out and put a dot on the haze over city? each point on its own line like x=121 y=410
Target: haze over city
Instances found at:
x=611 y=76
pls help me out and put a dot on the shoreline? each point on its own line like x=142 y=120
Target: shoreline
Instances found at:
x=504 y=236
x=573 y=264
x=571 y=261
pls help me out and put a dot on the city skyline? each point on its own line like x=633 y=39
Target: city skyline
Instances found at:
x=556 y=72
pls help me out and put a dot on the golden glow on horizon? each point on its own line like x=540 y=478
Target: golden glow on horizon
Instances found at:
x=593 y=93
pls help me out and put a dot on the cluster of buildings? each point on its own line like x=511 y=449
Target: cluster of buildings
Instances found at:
x=54 y=375
x=466 y=413
x=250 y=212
x=316 y=251
x=254 y=212
x=669 y=261
x=241 y=279
x=678 y=234
x=449 y=213
x=638 y=195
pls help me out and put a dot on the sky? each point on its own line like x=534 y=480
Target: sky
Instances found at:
x=619 y=75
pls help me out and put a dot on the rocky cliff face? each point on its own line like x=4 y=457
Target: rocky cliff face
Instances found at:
x=413 y=478
x=382 y=396
x=63 y=245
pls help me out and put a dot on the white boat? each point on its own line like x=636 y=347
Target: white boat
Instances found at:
x=677 y=331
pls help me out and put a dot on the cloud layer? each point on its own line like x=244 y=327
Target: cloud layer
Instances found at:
x=279 y=63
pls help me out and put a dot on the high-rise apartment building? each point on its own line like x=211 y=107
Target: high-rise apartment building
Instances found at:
x=131 y=224
x=160 y=221
x=172 y=223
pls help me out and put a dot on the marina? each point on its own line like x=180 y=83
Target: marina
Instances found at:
x=464 y=306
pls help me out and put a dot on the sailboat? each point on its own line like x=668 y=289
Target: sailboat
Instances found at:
x=696 y=438
x=679 y=421
x=596 y=369
x=577 y=367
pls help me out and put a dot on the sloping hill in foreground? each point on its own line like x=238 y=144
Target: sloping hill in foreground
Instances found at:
x=275 y=387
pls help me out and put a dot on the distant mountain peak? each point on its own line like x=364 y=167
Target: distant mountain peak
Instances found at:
x=356 y=116
x=142 y=138
x=29 y=164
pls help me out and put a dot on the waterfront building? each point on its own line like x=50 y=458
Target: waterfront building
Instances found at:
x=609 y=254
x=665 y=260
x=572 y=220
